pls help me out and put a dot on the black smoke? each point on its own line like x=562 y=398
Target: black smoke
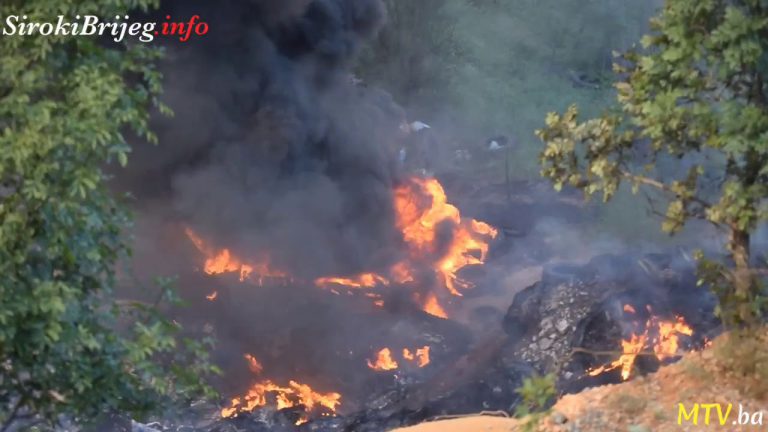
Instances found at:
x=273 y=148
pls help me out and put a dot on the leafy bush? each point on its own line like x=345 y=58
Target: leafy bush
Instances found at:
x=68 y=350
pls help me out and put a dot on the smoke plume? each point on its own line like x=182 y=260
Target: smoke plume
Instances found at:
x=272 y=146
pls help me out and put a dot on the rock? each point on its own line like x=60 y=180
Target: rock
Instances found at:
x=559 y=418
x=545 y=344
x=562 y=326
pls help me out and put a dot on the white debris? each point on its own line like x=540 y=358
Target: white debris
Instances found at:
x=138 y=427
x=494 y=145
x=417 y=126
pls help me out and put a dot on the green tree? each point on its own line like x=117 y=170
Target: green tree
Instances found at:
x=694 y=92
x=69 y=350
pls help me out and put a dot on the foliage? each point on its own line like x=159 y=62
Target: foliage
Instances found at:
x=414 y=53
x=742 y=356
x=68 y=350
x=493 y=67
x=695 y=93
x=538 y=393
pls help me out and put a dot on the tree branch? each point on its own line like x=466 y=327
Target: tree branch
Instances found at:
x=662 y=187
x=612 y=353
x=12 y=416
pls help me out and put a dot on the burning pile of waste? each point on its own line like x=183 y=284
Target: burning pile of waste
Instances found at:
x=433 y=232
x=437 y=244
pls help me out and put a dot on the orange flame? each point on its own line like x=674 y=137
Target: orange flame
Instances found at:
x=668 y=342
x=294 y=394
x=402 y=273
x=222 y=261
x=630 y=350
x=384 y=361
x=421 y=356
x=421 y=209
x=419 y=223
x=365 y=280
x=212 y=296
x=253 y=364
x=432 y=307
x=665 y=343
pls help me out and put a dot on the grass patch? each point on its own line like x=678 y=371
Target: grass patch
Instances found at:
x=628 y=404
x=742 y=356
x=695 y=371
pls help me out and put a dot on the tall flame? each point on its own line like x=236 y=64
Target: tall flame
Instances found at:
x=422 y=207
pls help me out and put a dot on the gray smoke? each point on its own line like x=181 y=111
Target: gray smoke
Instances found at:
x=272 y=147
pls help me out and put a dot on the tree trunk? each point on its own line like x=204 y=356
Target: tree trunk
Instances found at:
x=744 y=286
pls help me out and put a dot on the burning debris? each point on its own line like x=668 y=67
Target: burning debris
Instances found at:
x=294 y=394
x=222 y=261
x=420 y=356
x=420 y=223
x=432 y=306
x=435 y=236
x=660 y=335
x=385 y=361
x=579 y=315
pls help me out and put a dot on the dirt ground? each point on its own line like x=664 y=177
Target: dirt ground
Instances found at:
x=726 y=373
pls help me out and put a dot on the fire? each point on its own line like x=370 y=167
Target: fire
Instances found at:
x=365 y=280
x=402 y=273
x=668 y=343
x=384 y=361
x=630 y=350
x=421 y=356
x=292 y=395
x=212 y=296
x=662 y=336
x=432 y=307
x=253 y=364
x=422 y=208
x=222 y=261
